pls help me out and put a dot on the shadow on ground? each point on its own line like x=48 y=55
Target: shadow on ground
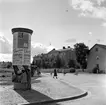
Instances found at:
x=33 y=96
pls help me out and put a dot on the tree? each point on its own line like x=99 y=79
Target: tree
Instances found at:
x=38 y=63
x=33 y=62
x=71 y=63
x=9 y=64
x=81 y=51
x=58 y=62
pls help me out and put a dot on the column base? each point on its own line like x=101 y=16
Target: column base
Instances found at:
x=21 y=86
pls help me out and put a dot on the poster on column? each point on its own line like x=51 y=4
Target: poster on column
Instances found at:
x=21 y=48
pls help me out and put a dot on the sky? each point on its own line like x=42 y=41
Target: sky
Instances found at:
x=55 y=23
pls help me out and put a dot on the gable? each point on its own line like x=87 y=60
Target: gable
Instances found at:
x=98 y=46
x=97 y=50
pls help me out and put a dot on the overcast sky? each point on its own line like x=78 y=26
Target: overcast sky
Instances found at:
x=56 y=23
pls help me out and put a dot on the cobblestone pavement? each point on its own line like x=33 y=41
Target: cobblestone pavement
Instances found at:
x=43 y=88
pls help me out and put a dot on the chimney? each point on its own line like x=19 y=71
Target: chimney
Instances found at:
x=68 y=46
x=64 y=47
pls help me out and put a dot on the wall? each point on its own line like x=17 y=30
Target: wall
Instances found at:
x=92 y=59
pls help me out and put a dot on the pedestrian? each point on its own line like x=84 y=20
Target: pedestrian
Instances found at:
x=51 y=73
x=38 y=71
x=55 y=73
x=64 y=72
x=76 y=72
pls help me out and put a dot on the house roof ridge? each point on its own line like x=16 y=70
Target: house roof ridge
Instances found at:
x=100 y=45
x=58 y=50
x=65 y=49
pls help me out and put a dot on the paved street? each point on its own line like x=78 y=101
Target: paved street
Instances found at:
x=51 y=88
x=44 y=88
x=95 y=84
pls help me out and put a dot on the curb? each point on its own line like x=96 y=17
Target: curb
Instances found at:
x=57 y=100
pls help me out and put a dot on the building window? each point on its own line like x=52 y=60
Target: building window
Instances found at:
x=96 y=49
x=97 y=57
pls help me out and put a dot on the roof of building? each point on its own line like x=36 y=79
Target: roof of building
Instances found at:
x=66 y=49
x=100 y=45
x=60 y=50
x=52 y=51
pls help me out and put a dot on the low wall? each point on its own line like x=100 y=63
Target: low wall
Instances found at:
x=61 y=70
x=5 y=69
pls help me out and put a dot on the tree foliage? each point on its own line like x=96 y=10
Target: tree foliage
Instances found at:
x=81 y=51
x=58 y=62
x=71 y=63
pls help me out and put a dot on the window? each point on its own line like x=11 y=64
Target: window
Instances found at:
x=96 y=49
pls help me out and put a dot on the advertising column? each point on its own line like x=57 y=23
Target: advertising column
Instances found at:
x=21 y=57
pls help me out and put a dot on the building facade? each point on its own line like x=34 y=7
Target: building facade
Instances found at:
x=65 y=55
x=97 y=56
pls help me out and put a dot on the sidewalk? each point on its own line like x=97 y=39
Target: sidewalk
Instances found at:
x=44 y=89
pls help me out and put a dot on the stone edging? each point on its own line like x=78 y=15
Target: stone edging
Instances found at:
x=58 y=100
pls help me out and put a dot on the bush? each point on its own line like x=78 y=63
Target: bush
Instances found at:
x=72 y=70
x=59 y=70
x=94 y=70
x=71 y=63
x=77 y=66
x=101 y=71
x=58 y=63
x=3 y=76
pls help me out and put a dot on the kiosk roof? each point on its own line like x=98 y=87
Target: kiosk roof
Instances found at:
x=22 y=30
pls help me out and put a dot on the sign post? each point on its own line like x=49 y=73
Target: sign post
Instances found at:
x=21 y=58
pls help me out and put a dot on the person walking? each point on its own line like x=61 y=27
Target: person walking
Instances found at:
x=64 y=72
x=55 y=73
x=51 y=73
x=76 y=72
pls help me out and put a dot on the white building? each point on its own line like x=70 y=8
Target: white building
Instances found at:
x=97 y=56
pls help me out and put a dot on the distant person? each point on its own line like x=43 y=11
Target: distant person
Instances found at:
x=76 y=72
x=51 y=73
x=55 y=73
x=38 y=71
x=64 y=72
